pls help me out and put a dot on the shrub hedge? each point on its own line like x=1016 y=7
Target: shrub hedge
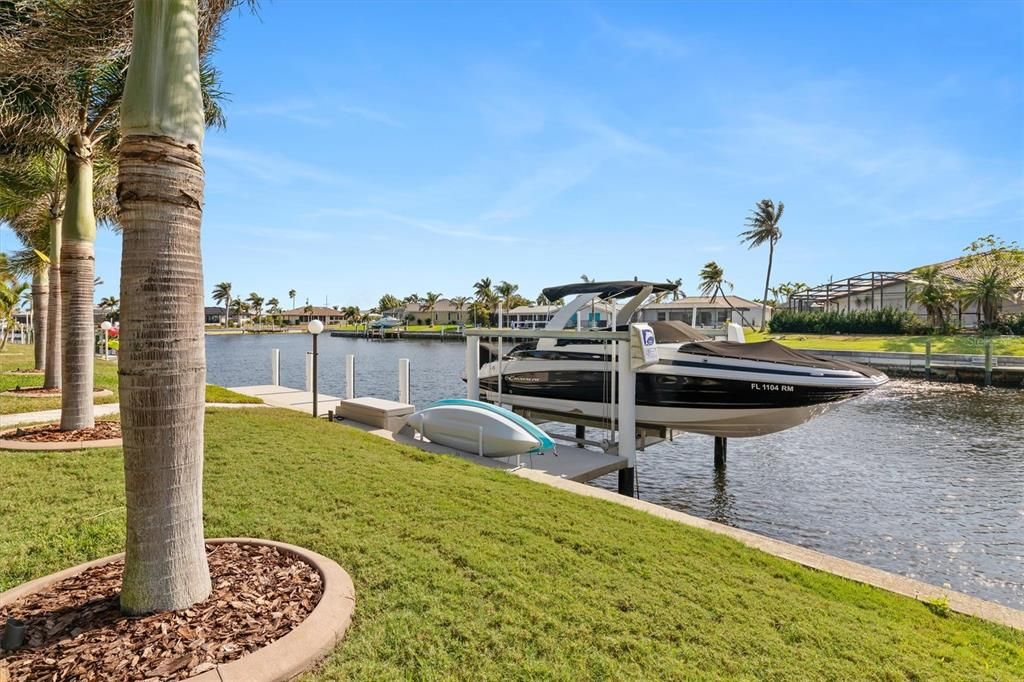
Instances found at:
x=884 y=321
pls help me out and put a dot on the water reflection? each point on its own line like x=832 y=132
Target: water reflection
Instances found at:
x=926 y=480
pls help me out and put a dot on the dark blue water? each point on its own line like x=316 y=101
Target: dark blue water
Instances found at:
x=925 y=480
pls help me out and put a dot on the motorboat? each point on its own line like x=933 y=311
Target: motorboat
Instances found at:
x=697 y=384
x=481 y=428
x=386 y=322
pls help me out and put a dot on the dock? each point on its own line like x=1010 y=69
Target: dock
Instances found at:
x=290 y=398
x=568 y=462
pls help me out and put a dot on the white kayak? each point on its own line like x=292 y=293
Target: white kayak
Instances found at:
x=480 y=428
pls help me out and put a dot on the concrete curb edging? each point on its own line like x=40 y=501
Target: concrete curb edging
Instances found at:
x=58 y=446
x=30 y=393
x=283 y=659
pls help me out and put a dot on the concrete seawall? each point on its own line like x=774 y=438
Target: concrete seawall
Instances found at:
x=1007 y=370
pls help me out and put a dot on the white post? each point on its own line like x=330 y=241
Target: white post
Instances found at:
x=403 y=380
x=350 y=377
x=106 y=344
x=309 y=371
x=473 y=368
x=627 y=405
x=275 y=366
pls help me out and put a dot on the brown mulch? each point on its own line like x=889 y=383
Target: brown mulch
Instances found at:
x=75 y=630
x=51 y=433
x=30 y=372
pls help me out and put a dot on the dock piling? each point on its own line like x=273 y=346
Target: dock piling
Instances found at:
x=721 y=450
x=928 y=360
x=350 y=376
x=988 y=362
x=473 y=368
x=275 y=366
x=404 y=381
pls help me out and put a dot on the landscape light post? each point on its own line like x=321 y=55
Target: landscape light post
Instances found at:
x=105 y=326
x=315 y=327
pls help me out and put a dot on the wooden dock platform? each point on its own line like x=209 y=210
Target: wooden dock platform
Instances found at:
x=570 y=462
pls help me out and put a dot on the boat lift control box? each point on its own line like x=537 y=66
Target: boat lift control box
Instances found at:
x=642 y=349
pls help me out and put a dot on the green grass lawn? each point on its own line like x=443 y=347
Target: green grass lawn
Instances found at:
x=104 y=376
x=1001 y=345
x=464 y=572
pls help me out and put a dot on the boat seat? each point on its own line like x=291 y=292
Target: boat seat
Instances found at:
x=384 y=414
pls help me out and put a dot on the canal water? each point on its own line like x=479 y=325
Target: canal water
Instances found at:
x=921 y=479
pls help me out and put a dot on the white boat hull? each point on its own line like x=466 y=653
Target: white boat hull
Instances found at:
x=475 y=430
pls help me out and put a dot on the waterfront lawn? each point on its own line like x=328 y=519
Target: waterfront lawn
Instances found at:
x=465 y=572
x=104 y=376
x=958 y=343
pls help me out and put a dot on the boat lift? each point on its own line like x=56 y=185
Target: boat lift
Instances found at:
x=623 y=406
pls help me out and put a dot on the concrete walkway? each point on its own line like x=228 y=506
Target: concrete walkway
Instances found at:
x=22 y=418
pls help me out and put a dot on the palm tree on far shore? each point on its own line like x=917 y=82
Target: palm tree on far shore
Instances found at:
x=460 y=304
x=255 y=302
x=763 y=228
x=713 y=283
x=429 y=302
x=935 y=292
x=274 y=309
x=291 y=295
x=222 y=295
x=505 y=290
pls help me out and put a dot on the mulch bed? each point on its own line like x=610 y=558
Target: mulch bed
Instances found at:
x=51 y=433
x=75 y=630
x=26 y=372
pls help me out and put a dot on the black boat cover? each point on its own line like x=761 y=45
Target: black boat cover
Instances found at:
x=769 y=351
x=605 y=289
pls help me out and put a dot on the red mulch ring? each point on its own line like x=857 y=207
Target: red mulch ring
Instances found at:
x=75 y=630
x=51 y=433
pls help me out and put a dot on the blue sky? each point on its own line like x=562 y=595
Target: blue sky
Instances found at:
x=405 y=147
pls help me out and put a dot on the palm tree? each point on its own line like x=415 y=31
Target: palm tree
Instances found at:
x=162 y=373
x=429 y=302
x=109 y=305
x=460 y=304
x=274 y=308
x=351 y=314
x=31 y=203
x=934 y=291
x=713 y=283
x=482 y=289
x=388 y=302
x=411 y=298
x=291 y=295
x=763 y=224
x=222 y=295
x=995 y=271
x=255 y=302
x=505 y=290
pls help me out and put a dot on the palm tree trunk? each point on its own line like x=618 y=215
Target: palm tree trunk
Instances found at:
x=78 y=273
x=162 y=355
x=52 y=375
x=767 y=281
x=227 y=312
x=40 y=308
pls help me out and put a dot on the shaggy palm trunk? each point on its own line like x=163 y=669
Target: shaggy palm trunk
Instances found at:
x=767 y=281
x=40 y=312
x=78 y=271
x=52 y=376
x=162 y=364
